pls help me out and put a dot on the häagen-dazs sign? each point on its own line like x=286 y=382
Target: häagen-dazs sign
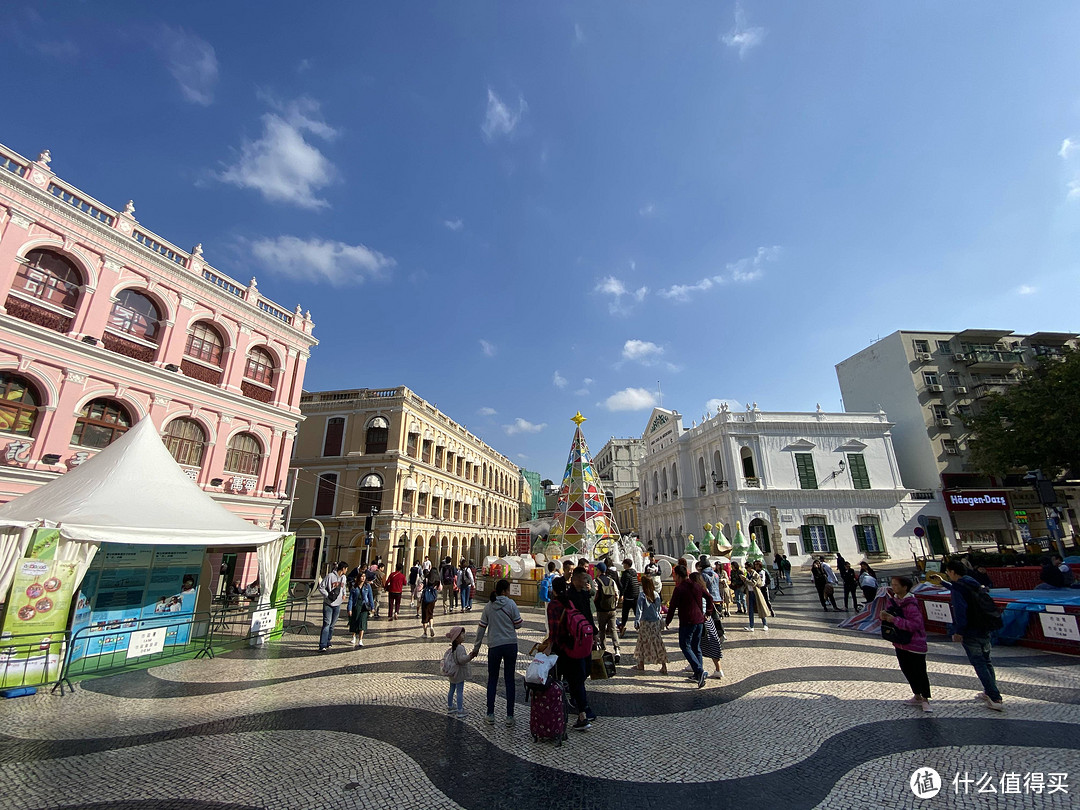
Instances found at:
x=973 y=500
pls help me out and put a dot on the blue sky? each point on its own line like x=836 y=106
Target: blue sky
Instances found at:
x=522 y=210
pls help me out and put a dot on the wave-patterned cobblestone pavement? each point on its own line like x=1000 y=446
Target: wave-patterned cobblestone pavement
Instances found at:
x=806 y=716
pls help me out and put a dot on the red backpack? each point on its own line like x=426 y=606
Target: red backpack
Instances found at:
x=577 y=635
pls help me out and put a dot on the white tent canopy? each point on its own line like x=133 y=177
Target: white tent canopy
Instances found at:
x=133 y=491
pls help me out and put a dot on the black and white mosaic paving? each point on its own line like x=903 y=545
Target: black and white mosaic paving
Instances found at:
x=806 y=716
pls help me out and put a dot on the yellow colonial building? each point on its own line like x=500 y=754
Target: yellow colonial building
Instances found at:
x=439 y=490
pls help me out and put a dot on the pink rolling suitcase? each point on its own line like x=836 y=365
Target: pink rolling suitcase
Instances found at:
x=547 y=713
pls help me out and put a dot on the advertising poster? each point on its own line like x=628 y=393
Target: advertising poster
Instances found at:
x=37 y=613
x=280 y=590
x=43 y=544
x=132 y=588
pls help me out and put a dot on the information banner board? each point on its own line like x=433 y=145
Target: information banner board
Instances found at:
x=263 y=621
x=938 y=611
x=35 y=621
x=1059 y=625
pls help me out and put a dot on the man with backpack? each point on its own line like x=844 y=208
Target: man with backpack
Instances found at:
x=570 y=637
x=465 y=585
x=448 y=574
x=607 y=600
x=543 y=590
x=974 y=617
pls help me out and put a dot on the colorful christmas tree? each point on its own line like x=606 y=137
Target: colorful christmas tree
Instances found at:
x=582 y=523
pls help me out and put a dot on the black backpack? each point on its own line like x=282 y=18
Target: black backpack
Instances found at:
x=983 y=612
x=447 y=574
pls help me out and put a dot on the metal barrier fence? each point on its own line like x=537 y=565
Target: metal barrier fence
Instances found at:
x=94 y=650
x=29 y=660
x=97 y=651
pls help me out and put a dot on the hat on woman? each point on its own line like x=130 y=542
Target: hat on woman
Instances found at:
x=455 y=631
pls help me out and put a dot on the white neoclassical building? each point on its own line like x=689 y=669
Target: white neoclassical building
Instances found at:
x=803 y=483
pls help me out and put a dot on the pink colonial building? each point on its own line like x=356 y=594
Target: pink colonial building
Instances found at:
x=103 y=322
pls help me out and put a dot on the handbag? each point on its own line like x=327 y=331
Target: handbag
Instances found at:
x=890 y=632
x=603 y=665
x=539 y=668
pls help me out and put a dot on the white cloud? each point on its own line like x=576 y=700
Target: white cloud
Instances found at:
x=579 y=34
x=487 y=348
x=742 y=37
x=191 y=61
x=500 y=120
x=631 y=399
x=643 y=351
x=714 y=404
x=558 y=380
x=1026 y=289
x=614 y=288
x=454 y=224
x=647 y=210
x=523 y=457
x=303 y=66
x=485 y=411
x=316 y=260
x=1074 y=190
x=742 y=271
x=282 y=165
x=1068 y=146
x=522 y=426
x=584 y=390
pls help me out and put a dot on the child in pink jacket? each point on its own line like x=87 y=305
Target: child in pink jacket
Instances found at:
x=912 y=656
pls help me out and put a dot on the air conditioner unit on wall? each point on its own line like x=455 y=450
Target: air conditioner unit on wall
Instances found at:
x=935 y=389
x=944 y=422
x=924 y=356
x=960 y=390
x=952 y=451
x=959 y=357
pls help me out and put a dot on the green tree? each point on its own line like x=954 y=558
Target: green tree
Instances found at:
x=1034 y=424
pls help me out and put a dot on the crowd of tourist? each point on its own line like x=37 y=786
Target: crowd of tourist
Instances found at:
x=588 y=610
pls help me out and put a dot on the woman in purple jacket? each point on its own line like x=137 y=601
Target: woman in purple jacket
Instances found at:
x=912 y=656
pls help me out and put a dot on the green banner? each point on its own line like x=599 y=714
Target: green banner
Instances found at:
x=43 y=546
x=31 y=639
x=280 y=592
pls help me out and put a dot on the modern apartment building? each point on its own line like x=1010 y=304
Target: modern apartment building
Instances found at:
x=438 y=489
x=104 y=322
x=802 y=483
x=617 y=466
x=534 y=495
x=928 y=382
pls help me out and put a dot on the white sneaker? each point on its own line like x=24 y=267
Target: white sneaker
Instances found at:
x=750 y=629
x=360 y=643
x=765 y=628
x=926 y=706
x=997 y=707
x=718 y=674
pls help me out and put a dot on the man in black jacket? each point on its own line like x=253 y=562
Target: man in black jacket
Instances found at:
x=629 y=588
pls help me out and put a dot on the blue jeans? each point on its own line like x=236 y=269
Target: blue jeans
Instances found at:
x=505 y=654
x=456 y=689
x=466 y=597
x=978 y=653
x=740 y=599
x=690 y=644
x=329 y=619
x=752 y=609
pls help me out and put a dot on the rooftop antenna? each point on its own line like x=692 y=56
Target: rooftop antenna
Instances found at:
x=659 y=394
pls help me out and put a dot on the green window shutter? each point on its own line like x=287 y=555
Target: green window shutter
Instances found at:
x=804 y=462
x=860 y=538
x=807 y=540
x=830 y=538
x=860 y=478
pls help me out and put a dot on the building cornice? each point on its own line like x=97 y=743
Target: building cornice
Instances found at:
x=149 y=258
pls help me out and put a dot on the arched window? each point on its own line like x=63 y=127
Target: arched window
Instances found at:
x=18 y=404
x=135 y=314
x=378 y=433
x=326 y=494
x=335 y=433
x=100 y=423
x=371 y=490
x=244 y=455
x=260 y=366
x=49 y=277
x=204 y=343
x=717 y=465
x=747 y=463
x=186 y=440
x=702 y=482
